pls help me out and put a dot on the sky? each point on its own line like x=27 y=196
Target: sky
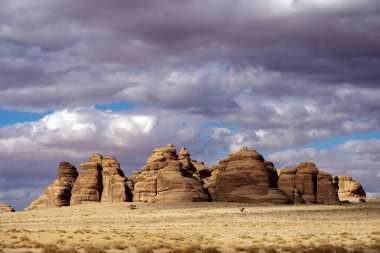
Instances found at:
x=296 y=80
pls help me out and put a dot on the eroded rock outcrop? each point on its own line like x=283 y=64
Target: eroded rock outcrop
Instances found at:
x=115 y=187
x=306 y=184
x=287 y=183
x=59 y=192
x=4 y=208
x=350 y=190
x=166 y=178
x=306 y=181
x=244 y=176
x=326 y=190
x=88 y=186
x=210 y=182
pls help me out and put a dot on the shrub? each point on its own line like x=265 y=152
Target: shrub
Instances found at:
x=24 y=238
x=252 y=250
x=94 y=249
x=270 y=250
x=145 y=250
x=239 y=248
x=210 y=250
x=190 y=249
x=50 y=248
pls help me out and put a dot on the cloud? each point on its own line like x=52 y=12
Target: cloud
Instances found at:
x=132 y=51
x=282 y=73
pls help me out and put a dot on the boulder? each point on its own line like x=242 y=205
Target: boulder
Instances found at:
x=115 y=187
x=326 y=191
x=59 y=192
x=168 y=178
x=245 y=177
x=88 y=186
x=350 y=190
x=4 y=208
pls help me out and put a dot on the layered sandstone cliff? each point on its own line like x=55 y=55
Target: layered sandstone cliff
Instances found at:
x=169 y=178
x=306 y=184
x=245 y=176
x=59 y=192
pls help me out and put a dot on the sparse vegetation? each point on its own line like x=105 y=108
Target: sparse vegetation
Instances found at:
x=270 y=250
x=24 y=238
x=210 y=250
x=94 y=249
x=145 y=250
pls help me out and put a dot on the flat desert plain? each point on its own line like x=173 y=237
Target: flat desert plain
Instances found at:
x=193 y=227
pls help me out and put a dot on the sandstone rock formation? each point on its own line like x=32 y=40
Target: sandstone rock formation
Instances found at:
x=286 y=182
x=210 y=182
x=306 y=181
x=4 y=208
x=115 y=187
x=59 y=192
x=88 y=186
x=306 y=184
x=166 y=178
x=350 y=190
x=244 y=176
x=326 y=190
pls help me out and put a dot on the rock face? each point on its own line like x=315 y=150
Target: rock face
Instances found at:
x=306 y=184
x=88 y=186
x=306 y=181
x=169 y=178
x=326 y=190
x=245 y=177
x=350 y=190
x=4 y=208
x=115 y=188
x=210 y=182
x=287 y=183
x=59 y=192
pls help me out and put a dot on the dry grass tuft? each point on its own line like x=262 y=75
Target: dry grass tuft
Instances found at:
x=94 y=249
x=210 y=250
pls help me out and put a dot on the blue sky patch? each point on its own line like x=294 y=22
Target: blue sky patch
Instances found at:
x=13 y=117
x=117 y=106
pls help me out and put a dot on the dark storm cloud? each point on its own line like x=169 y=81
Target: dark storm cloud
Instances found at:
x=283 y=73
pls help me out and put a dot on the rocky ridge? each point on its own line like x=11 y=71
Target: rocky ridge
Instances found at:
x=244 y=176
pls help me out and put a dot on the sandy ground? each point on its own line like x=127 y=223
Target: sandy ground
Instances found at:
x=161 y=227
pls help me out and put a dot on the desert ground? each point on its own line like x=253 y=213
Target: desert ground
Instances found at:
x=193 y=227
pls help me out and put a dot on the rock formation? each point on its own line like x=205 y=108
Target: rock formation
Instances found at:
x=210 y=182
x=4 y=208
x=326 y=190
x=59 y=192
x=115 y=188
x=244 y=176
x=306 y=184
x=88 y=186
x=166 y=178
x=306 y=181
x=286 y=182
x=350 y=190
